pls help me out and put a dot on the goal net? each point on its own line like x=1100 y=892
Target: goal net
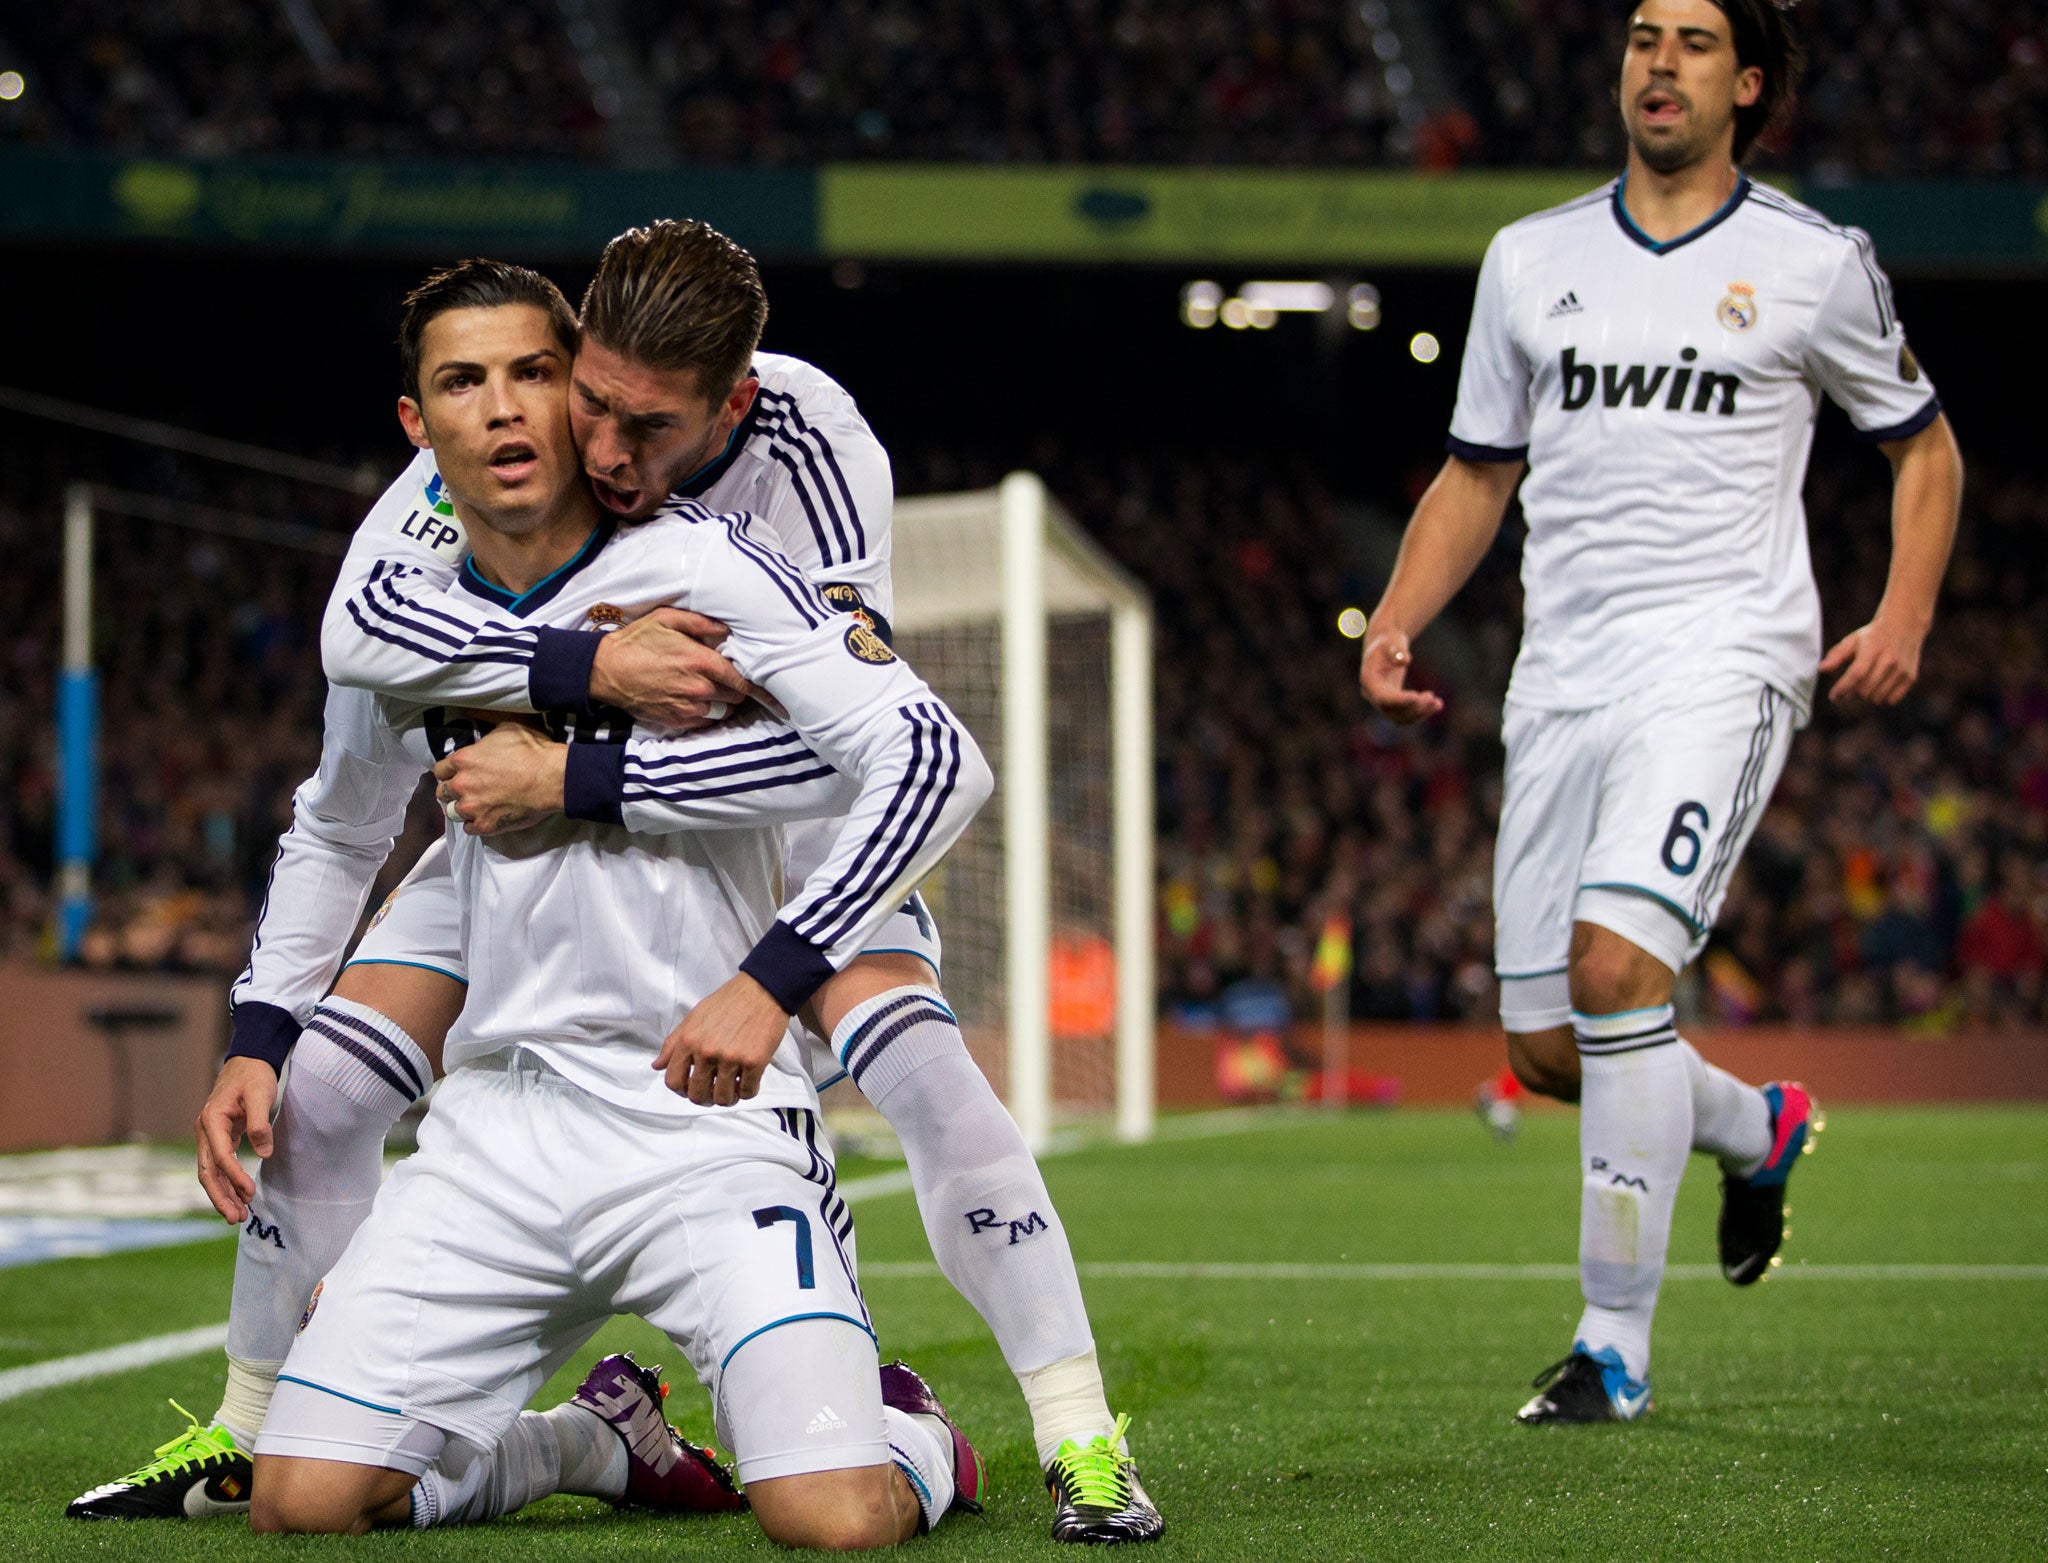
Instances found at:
x=1043 y=646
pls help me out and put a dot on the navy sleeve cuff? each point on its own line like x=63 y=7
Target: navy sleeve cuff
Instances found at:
x=262 y=1031
x=559 y=678
x=788 y=965
x=594 y=782
x=1465 y=450
x=1906 y=430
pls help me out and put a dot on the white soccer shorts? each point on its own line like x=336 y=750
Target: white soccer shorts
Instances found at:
x=1630 y=816
x=420 y=924
x=533 y=1212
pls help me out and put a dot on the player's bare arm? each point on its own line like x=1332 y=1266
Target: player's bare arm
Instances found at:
x=1881 y=661
x=1452 y=528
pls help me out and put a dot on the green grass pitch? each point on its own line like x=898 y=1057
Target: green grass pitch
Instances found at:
x=1312 y=1416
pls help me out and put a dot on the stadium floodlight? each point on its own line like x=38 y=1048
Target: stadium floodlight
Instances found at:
x=1042 y=644
x=1289 y=298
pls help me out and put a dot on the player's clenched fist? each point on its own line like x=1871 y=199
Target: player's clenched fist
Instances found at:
x=507 y=780
x=662 y=671
x=717 y=1055
x=243 y=1096
x=1383 y=679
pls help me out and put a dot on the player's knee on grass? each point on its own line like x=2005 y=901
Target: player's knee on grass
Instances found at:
x=853 y=1510
x=1609 y=974
x=1546 y=1061
x=323 y=1497
x=423 y=1003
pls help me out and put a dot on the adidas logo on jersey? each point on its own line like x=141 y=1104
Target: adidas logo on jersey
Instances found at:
x=1568 y=305
x=1638 y=385
x=826 y=1421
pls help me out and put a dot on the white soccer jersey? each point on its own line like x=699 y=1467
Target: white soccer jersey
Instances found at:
x=803 y=459
x=1664 y=396
x=576 y=933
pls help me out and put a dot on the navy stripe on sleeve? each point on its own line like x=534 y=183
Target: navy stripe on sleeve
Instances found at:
x=1904 y=431
x=1465 y=450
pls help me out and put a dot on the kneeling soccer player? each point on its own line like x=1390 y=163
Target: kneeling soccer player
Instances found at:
x=558 y=1181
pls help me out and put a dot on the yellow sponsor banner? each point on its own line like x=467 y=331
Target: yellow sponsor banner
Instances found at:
x=1189 y=215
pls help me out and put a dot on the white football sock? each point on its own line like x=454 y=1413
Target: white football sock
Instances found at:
x=990 y=1221
x=1730 y=1119
x=1635 y=1134
x=466 y=1486
x=922 y=1449
x=593 y=1455
x=351 y=1075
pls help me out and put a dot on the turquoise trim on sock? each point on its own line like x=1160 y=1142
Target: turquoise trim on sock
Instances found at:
x=1647 y=1009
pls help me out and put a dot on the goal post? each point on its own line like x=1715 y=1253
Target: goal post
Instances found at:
x=1043 y=645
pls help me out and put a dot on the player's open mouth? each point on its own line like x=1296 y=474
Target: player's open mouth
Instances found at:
x=613 y=497
x=1661 y=108
x=514 y=462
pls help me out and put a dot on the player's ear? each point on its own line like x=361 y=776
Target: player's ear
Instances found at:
x=414 y=422
x=1749 y=86
x=741 y=399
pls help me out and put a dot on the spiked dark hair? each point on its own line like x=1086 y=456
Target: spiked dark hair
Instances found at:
x=476 y=284
x=679 y=295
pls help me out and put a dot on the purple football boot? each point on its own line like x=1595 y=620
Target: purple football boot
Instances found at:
x=664 y=1470
x=903 y=1389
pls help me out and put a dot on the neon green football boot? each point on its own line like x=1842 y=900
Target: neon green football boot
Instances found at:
x=201 y=1472
x=1097 y=1498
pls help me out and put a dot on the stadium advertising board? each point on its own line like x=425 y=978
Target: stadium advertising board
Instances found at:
x=529 y=209
x=929 y=212
x=1175 y=215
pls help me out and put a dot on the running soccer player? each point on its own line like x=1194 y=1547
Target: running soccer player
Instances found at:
x=1652 y=356
x=676 y=311
x=560 y=1180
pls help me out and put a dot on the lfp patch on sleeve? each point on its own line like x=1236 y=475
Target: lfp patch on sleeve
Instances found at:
x=432 y=523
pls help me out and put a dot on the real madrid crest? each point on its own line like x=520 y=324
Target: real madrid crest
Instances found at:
x=1737 y=310
x=847 y=599
x=312 y=1302
x=604 y=616
x=864 y=642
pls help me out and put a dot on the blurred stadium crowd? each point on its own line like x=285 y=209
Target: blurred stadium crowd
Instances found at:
x=1896 y=875
x=367 y=78
x=1893 y=88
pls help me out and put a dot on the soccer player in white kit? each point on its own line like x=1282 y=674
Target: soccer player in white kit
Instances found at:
x=786 y=443
x=560 y=1179
x=1652 y=356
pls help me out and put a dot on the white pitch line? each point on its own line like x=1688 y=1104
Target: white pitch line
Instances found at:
x=27 y=1380
x=1186 y=1126
x=1141 y=1270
